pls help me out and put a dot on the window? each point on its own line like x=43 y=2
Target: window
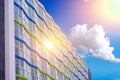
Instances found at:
x=32 y=2
x=31 y=27
x=52 y=71
x=35 y=75
x=20 y=14
x=59 y=76
x=40 y=10
x=20 y=2
x=44 y=69
x=16 y=47
x=21 y=32
x=16 y=29
x=16 y=12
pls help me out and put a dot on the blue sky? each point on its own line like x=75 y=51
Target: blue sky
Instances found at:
x=69 y=13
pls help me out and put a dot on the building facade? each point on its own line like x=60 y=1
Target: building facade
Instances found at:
x=2 y=43
x=37 y=48
x=7 y=47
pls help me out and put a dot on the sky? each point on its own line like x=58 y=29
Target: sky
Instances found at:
x=93 y=28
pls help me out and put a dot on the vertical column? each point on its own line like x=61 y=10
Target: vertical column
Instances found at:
x=89 y=74
x=9 y=40
x=2 y=41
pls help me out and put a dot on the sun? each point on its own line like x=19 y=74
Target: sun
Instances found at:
x=48 y=44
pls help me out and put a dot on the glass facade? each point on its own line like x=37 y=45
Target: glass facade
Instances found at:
x=34 y=61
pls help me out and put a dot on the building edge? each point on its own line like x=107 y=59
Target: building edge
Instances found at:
x=2 y=41
x=9 y=40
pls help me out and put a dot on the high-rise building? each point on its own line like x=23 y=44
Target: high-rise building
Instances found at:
x=32 y=46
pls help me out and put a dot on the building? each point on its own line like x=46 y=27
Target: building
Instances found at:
x=34 y=46
x=89 y=74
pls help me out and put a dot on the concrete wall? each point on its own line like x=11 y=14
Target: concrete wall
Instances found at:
x=9 y=41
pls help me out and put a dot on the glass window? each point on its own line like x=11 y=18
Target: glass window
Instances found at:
x=16 y=29
x=20 y=2
x=20 y=14
x=17 y=62
x=16 y=12
x=16 y=47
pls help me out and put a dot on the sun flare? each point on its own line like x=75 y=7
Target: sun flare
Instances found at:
x=48 y=44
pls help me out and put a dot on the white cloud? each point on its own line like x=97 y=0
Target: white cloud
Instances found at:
x=92 y=41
